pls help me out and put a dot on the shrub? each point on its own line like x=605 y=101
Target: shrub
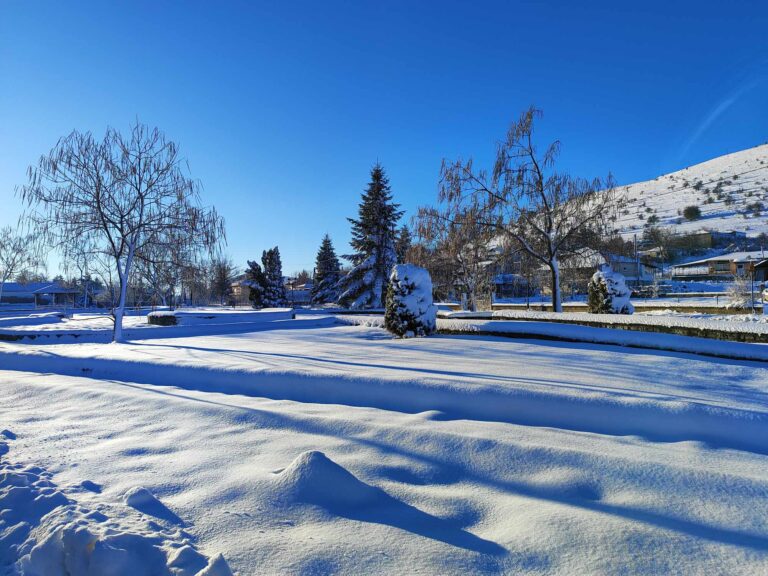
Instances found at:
x=409 y=308
x=755 y=208
x=607 y=293
x=692 y=213
x=162 y=318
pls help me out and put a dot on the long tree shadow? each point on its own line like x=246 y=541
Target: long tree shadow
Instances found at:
x=435 y=527
x=606 y=373
x=611 y=414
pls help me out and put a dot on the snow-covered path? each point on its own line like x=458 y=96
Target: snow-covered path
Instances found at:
x=494 y=455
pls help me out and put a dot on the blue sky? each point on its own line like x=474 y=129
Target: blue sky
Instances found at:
x=281 y=108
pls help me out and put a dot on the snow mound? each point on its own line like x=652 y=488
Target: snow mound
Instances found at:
x=314 y=478
x=144 y=501
x=139 y=497
x=45 y=533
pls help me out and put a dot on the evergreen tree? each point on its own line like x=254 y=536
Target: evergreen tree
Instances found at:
x=410 y=310
x=373 y=239
x=256 y=281
x=327 y=273
x=404 y=242
x=274 y=289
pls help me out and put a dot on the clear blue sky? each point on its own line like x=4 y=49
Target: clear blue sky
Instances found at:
x=281 y=108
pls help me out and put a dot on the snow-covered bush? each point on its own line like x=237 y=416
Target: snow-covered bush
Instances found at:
x=162 y=318
x=410 y=311
x=608 y=293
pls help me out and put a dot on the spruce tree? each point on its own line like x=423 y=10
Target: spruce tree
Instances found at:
x=256 y=281
x=327 y=273
x=274 y=289
x=403 y=244
x=373 y=239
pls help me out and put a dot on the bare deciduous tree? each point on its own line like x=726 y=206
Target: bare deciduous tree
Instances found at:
x=124 y=194
x=546 y=213
x=18 y=254
x=223 y=273
x=461 y=247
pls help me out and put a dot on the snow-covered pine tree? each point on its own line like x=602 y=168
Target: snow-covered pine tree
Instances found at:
x=274 y=289
x=403 y=243
x=410 y=310
x=327 y=272
x=255 y=280
x=374 y=234
x=608 y=293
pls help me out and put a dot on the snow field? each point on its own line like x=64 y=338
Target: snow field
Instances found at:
x=338 y=449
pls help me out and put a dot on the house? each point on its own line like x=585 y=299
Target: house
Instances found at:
x=724 y=266
x=761 y=271
x=705 y=239
x=636 y=271
x=241 y=289
x=38 y=293
x=511 y=286
x=299 y=294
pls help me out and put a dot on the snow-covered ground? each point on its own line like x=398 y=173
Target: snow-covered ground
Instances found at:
x=312 y=447
x=752 y=323
x=723 y=189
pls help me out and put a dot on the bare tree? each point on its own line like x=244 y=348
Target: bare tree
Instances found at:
x=18 y=254
x=223 y=274
x=461 y=246
x=546 y=213
x=124 y=194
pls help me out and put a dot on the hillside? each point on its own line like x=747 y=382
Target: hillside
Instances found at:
x=731 y=191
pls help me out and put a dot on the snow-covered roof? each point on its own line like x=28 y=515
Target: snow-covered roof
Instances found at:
x=37 y=288
x=730 y=257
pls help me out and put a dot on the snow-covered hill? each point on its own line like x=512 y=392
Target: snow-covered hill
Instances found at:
x=731 y=192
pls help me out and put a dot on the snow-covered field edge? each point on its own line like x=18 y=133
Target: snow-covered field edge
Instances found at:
x=551 y=330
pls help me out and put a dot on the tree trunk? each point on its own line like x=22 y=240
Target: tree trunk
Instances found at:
x=117 y=335
x=554 y=268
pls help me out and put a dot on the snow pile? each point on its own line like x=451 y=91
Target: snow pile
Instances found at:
x=410 y=311
x=608 y=293
x=314 y=478
x=45 y=533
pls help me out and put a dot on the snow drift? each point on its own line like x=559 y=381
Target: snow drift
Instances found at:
x=43 y=532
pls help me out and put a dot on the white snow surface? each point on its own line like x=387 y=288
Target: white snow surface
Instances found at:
x=97 y=327
x=312 y=447
x=743 y=175
x=45 y=532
